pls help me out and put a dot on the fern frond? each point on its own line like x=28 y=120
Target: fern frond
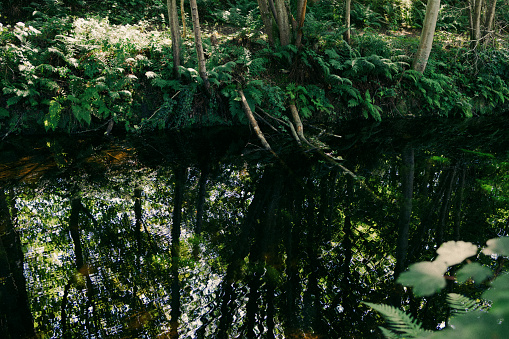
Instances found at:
x=461 y=304
x=399 y=321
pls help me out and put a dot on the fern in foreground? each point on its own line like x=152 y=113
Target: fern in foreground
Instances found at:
x=485 y=318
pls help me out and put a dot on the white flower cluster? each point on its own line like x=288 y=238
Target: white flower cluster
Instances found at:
x=99 y=31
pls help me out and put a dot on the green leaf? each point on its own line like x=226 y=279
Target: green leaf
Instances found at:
x=461 y=304
x=474 y=270
x=498 y=246
x=3 y=112
x=426 y=277
x=454 y=252
x=498 y=294
x=399 y=321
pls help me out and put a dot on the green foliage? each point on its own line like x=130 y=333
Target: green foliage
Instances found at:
x=403 y=325
x=471 y=318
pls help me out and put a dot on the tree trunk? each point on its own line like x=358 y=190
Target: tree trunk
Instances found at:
x=267 y=20
x=183 y=14
x=252 y=121
x=283 y=22
x=199 y=46
x=426 y=40
x=301 y=16
x=175 y=35
x=348 y=33
x=490 y=19
x=475 y=6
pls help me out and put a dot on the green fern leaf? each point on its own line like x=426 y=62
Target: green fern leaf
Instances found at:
x=399 y=321
x=462 y=304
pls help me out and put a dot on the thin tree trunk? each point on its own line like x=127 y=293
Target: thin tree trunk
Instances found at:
x=267 y=20
x=283 y=22
x=348 y=33
x=199 y=46
x=427 y=34
x=301 y=16
x=183 y=14
x=175 y=36
x=252 y=121
x=490 y=19
x=299 y=127
x=476 y=22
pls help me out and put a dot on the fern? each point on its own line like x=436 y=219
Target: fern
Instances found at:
x=461 y=304
x=399 y=321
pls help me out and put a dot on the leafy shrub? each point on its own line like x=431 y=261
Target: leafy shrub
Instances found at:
x=483 y=318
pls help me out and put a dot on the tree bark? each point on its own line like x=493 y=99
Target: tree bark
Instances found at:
x=175 y=36
x=267 y=20
x=490 y=19
x=283 y=22
x=348 y=33
x=475 y=38
x=301 y=16
x=183 y=14
x=202 y=70
x=252 y=121
x=427 y=34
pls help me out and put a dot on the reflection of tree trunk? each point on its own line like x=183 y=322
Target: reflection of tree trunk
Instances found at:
x=459 y=204
x=444 y=208
x=202 y=195
x=427 y=215
x=407 y=182
x=15 y=317
x=180 y=180
x=81 y=267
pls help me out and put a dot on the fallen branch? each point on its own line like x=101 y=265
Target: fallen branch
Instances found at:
x=252 y=121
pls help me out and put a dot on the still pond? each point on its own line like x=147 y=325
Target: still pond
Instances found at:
x=206 y=235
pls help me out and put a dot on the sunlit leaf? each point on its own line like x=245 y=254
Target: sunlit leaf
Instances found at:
x=498 y=246
x=454 y=252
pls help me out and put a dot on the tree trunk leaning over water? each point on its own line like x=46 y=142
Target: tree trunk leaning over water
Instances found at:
x=252 y=121
x=202 y=70
x=175 y=35
x=426 y=40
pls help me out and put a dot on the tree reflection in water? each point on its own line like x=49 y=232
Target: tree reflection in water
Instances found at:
x=123 y=242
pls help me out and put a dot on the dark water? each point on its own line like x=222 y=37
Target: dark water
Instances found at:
x=199 y=235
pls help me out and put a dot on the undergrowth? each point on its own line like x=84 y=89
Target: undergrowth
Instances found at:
x=77 y=74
